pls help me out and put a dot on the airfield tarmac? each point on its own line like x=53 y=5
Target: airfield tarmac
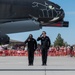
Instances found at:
x=18 y=65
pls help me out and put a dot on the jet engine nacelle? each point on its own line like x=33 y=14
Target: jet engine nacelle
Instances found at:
x=4 y=39
x=19 y=26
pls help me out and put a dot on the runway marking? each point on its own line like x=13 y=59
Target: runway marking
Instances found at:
x=37 y=69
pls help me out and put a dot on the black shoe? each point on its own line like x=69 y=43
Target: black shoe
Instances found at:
x=44 y=64
x=30 y=64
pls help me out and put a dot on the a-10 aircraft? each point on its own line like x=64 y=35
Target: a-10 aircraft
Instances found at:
x=28 y=15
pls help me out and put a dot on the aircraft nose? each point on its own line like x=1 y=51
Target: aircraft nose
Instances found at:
x=56 y=12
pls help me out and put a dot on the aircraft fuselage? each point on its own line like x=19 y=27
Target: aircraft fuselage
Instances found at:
x=28 y=15
x=44 y=10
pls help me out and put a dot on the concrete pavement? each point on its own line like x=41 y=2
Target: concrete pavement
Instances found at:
x=10 y=65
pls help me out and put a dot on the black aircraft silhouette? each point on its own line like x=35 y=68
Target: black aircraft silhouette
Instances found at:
x=28 y=15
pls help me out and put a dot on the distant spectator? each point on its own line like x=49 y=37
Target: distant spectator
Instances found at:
x=71 y=51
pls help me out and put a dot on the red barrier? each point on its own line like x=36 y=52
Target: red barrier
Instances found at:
x=36 y=53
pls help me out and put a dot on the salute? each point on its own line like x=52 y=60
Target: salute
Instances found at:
x=45 y=44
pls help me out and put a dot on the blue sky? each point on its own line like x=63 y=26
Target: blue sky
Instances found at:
x=68 y=34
